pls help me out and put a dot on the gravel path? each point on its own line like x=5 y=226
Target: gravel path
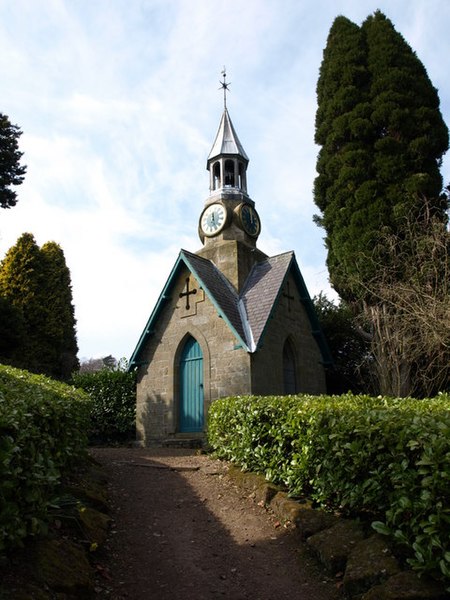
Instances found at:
x=184 y=531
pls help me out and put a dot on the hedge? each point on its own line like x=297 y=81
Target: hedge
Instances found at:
x=43 y=425
x=113 y=412
x=385 y=458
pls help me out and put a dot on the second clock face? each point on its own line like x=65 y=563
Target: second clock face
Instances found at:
x=250 y=220
x=213 y=219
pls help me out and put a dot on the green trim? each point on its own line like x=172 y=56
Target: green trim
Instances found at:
x=165 y=296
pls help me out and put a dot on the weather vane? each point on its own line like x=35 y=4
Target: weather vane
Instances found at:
x=224 y=86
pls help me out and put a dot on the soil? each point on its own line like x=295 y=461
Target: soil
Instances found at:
x=183 y=529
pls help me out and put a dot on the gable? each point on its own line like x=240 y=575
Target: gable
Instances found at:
x=247 y=315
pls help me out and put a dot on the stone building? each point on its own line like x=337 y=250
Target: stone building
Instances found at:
x=230 y=319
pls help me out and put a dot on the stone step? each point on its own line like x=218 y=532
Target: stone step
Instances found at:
x=183 y=442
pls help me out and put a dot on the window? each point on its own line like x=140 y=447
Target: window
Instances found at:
x=216 y=176
x=229 y=173
x=289 y=370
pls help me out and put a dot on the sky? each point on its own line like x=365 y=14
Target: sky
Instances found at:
x=119 y=104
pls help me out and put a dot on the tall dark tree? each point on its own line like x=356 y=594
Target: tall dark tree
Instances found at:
x=382 y=139
x=20 y=281
x=36 y=282
x=11 y=171
x=59 y=336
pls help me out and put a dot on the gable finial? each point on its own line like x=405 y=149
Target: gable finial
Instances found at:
x=224 y=86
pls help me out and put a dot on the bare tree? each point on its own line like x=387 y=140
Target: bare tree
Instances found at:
x=408 y=307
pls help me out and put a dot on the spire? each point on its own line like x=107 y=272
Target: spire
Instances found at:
x=227 y=141
x=227 y=162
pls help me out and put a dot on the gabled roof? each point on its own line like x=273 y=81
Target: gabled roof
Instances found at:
x=246 y=315
x=227 y=141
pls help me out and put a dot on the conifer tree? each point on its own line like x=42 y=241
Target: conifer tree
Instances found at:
x=59 y=336
x=36 y=282
x=382 y=139
x=20 y=280
x=11 y=171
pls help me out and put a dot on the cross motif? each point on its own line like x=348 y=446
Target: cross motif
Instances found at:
x=288 y=296
x=187 y=293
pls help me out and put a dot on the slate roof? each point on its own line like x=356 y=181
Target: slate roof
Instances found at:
x=261 y=291
x=227 y=141
x=247 y=314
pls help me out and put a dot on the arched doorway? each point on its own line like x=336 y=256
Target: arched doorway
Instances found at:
x=289 y=370
x=191 y=387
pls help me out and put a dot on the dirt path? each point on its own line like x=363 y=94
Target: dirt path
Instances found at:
x=184 y=531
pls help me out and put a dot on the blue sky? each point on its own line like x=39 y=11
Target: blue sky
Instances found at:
x=119 y=106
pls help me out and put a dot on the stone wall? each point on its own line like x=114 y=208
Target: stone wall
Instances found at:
x=289 y=321
x=228 y=369
x=226 y=366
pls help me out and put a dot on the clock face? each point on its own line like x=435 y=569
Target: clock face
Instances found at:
x=213 y=219
x=249 y=220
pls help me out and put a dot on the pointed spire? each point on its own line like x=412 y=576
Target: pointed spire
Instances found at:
x=227 y=141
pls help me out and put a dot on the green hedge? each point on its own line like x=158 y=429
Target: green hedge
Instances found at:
x=113 y=395
x=43 y=425
x=383 y=457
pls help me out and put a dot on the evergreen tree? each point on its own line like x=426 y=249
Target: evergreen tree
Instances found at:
x=59 y=336
x=37 y=283
x=382 y=139
x=11 y=171
x=20 y=281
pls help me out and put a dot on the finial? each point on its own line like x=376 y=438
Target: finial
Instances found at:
x=224 y=86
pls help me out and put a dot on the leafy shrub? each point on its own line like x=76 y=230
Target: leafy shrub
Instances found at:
x=43 y=426
x=386 y=457
x=113 y=395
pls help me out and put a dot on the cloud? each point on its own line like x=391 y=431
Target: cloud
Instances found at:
x=119 y=104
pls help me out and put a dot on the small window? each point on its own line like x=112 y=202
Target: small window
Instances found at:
x=242 y=183
x=216 y=176
x=289 y=370
x=229 y=173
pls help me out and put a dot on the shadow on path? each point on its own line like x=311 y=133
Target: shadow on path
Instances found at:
x=183 y=531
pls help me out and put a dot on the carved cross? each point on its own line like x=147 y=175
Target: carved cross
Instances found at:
x=187 y=293
x=288 y=296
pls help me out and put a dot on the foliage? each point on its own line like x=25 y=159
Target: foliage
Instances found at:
x=36 y=282
x=349 y=347
x=113 y=395
x=91 y=365
x=411 y=318
x=43 y=426
x=382 y=139
x=11 y=171
x=384 y=457
x=12 y=330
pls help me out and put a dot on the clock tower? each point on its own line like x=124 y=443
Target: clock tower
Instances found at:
x=230 y=320
x=229 y=224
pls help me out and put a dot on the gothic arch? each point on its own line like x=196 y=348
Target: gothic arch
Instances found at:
x=290 y=370
x=197 y=335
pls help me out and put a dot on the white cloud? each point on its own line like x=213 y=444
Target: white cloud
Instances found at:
x=119 y=104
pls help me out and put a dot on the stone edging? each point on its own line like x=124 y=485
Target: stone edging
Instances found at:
x=365 y=561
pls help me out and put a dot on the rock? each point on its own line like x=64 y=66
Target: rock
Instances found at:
x=334 y=545
x=407 y=586
x=90 y=492
x=94 y=524
x=303 y=517
x=64 y=568
x=370 y=562
x=254 y=483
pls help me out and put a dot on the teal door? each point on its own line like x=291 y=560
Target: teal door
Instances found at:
x=191 y=387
